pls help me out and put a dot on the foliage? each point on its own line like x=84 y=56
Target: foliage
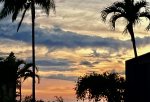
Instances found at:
x=29 y=99
x=98 y=86
x=12 y=69
x=129 y=10
x=58 y=99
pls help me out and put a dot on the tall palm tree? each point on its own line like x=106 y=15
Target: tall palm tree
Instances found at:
x=16 y=6
x=129 y=10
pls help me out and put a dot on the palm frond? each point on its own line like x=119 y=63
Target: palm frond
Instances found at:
x=1 y=0
x=38 y=77
x=129 y=2
x=112 y=9
x=52 y=5
x=25 y=68
x=147 y=15
x=7 y=9
x=24 y=12
x=14 y=16
x=137 y=21
x=24 y=73
x=19 y=62
x=18 y=6
x=120 y=4
x=140 y=4
x=27 y=75
x=125 y=31
x=46 y=5
x=4 y=12
x=114 y=18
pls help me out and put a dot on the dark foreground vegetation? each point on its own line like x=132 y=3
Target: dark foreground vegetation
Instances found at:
x=29 y=99
x=12 y=70
x=97 y=87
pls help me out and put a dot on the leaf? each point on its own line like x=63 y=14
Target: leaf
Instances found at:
x=26 y=8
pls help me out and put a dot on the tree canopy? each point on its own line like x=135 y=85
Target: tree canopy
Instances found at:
x=96 y=87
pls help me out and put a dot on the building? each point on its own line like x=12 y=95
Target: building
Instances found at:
x=138 y=79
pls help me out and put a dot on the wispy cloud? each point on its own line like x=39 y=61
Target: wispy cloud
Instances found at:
x=53 y=62
x=86 y=63
x=89 y=64
x=62 y=77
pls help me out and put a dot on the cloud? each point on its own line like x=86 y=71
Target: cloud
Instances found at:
x=8 y=45
x=141 y=42
x=57 y=38
x=56 y=68
x=62 y=77
x=53 y=62
x=81 y=16
x=94 y=54
x=88 y=63
x=55 y=65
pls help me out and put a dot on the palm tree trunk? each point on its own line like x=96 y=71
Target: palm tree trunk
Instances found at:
x=130 y=29
x=33 y=47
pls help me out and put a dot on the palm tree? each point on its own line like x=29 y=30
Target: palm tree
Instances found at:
x=99 y=86
x=16 y=6
x=24 y=72
x=129 y=10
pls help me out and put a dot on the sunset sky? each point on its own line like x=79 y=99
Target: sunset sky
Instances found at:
x=70 y=43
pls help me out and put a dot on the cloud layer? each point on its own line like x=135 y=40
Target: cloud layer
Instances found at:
x=56 y=39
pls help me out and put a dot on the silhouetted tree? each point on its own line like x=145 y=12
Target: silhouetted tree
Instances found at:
x=129 y=10
x=16 y=6
x=24 y=71
x=8 y=79
x=12 y=69
x=96 y=87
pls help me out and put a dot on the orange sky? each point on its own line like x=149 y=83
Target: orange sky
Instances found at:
x=48 y=88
